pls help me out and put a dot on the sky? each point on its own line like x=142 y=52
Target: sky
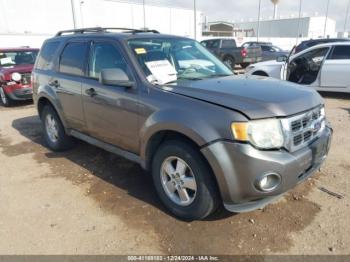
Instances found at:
x=236 y=10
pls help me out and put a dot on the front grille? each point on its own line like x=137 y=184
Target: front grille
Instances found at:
x=303 y=128
x=26 y=78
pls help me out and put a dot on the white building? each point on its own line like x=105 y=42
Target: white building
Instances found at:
x=283 y=32
x=30 y=22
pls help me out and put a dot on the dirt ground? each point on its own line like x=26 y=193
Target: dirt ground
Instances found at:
x=87 y=201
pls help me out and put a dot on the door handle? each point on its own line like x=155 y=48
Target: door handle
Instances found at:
x=54 y=83
x=90 y=92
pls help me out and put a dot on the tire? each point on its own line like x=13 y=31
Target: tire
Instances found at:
x=245 y=65
x=54 y=133
x=230 y=62
x=5 y=100
x=204 y=200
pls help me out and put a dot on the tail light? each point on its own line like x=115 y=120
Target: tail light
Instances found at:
x=244 y=52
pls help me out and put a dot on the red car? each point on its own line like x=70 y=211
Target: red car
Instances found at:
x=16 y=65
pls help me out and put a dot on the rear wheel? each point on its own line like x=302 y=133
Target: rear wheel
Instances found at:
x=5 y=100
x=184 y=181
x=54 y=132
x=230 y=62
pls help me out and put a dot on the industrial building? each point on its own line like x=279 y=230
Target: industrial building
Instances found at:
x=30 y=22
x=280 y=31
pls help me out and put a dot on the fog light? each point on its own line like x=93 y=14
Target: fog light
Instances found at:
x=268 y=182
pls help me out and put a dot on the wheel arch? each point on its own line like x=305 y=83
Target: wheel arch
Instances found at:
x=45 y=100
x=159 y=137
x=260 y=73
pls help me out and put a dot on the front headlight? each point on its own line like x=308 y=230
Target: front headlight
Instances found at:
x=16 y=77
x=263 y=134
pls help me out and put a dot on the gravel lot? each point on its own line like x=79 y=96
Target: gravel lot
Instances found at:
x=87 y=201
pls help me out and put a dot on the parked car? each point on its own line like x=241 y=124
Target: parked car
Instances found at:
x=206 y=136
x=323 y=67
x=228 y=52
x=312 y=42
x=16 y=66
x=269 y=51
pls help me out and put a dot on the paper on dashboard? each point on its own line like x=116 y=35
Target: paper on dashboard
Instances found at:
x=162 y=71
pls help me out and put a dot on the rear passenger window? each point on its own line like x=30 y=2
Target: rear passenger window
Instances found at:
x=105 y=56
x=73 y=59
x=341 y=53
x=46 y=55
x=228 y=44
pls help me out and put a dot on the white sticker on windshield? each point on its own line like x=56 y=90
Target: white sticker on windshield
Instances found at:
x=6 y=60
x=162 y=71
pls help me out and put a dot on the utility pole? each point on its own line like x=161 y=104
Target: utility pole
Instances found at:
x=325 y=23
x=73 y=13
x=144 y=14
x=258 y=30
x=346 y=16
x=195 y=18
x=81 y=13
x=300 y=6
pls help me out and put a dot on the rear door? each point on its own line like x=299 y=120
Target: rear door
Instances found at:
x=111 y=112
x=335 y=70
x=68 y=82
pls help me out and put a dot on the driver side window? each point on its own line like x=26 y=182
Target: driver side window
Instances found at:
x=105 y=56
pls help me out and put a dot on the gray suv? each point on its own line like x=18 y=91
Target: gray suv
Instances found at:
x=208 y=138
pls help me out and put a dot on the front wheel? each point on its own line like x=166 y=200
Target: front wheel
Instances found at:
x=5 y=100
x=184 y=181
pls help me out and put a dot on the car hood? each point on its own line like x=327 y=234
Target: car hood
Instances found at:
x=255 y=97
x=17 y=68
x=6 y=72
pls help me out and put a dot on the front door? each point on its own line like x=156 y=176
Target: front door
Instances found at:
x=304 y=69
x=111 y=112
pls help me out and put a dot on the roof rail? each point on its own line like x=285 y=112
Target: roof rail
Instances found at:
x=105 y=30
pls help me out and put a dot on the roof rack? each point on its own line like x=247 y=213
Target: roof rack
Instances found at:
x=105 y=30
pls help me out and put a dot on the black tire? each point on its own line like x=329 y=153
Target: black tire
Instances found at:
x=5 y=100
x=206 y=199
x=230 y=62
x=245 y=65
x=63 y=141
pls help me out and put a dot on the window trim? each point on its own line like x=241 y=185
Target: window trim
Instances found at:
x=86 y=41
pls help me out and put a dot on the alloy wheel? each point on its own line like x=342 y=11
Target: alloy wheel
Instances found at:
x=3 y=96
x=178 y=181
x=51 y=128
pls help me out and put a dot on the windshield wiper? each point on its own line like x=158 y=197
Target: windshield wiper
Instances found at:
x=217 y=75
x=185 y=78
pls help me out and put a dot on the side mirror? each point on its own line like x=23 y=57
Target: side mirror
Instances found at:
x=115 y=77
x=281 y=58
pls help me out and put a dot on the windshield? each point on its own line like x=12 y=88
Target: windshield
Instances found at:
x=277 y=49
x=13 y=58
x=168 y=60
